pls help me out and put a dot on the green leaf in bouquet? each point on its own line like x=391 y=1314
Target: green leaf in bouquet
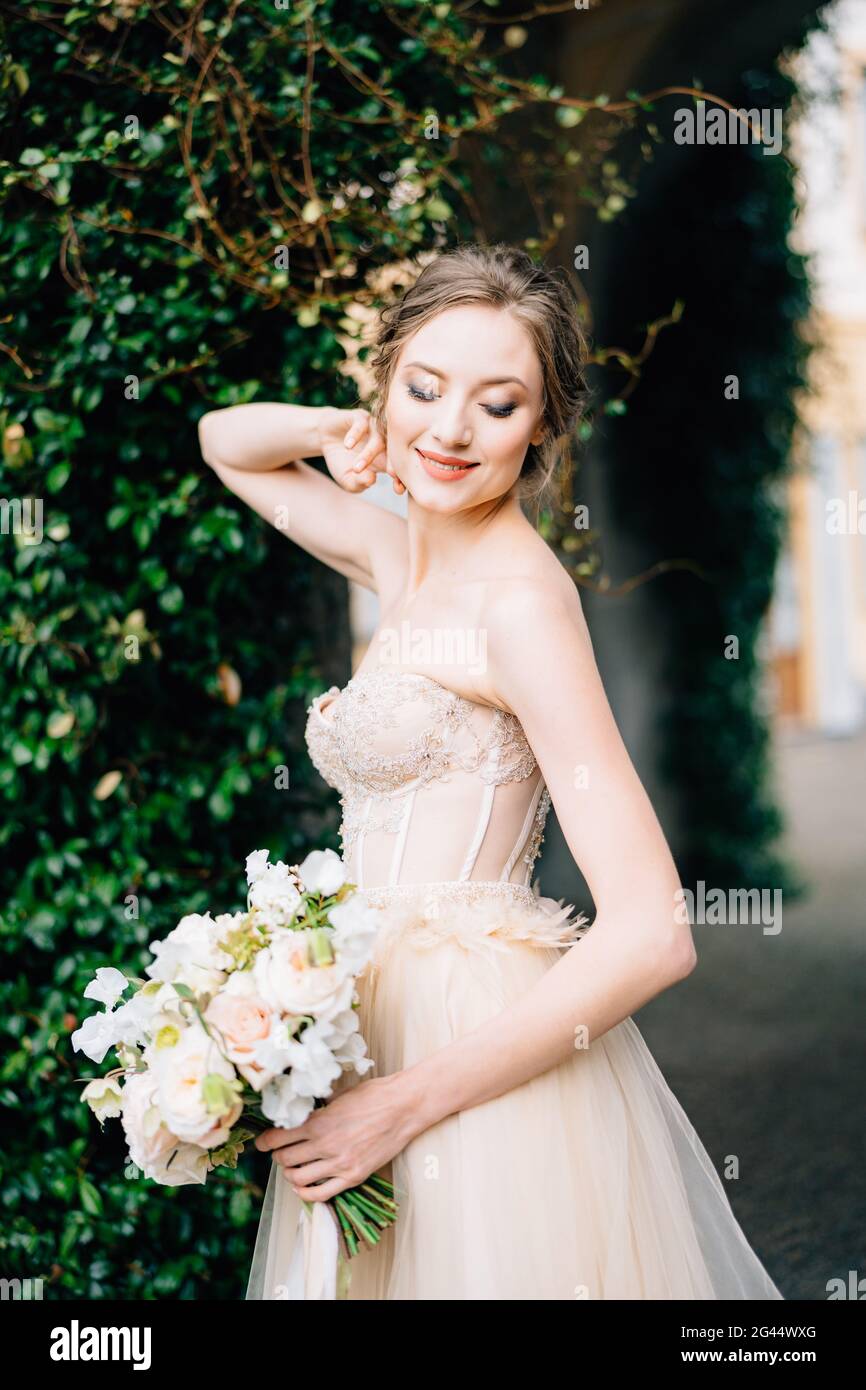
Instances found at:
x=226 y=1156
x=320 y=946
x=244 y=942
x=220 y=1093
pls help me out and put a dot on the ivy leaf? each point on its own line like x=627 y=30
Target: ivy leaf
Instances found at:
x=91 y=1201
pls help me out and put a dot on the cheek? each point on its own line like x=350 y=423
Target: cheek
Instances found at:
x=506 y=442
x=402 y=416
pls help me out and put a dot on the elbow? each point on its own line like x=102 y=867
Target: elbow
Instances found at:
x=207 y=438
x=669 y=950
x=680 y=957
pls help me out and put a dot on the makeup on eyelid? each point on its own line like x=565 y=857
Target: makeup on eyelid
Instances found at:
x=497 y=412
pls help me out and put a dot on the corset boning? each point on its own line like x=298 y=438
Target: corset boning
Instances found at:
x=434 y=787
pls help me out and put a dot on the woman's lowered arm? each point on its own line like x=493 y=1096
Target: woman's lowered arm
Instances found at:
x=639 y=943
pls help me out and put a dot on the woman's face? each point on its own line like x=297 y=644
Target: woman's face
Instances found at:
x=467 y=388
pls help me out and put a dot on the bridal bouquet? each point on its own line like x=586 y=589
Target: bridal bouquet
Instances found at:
x=246 y=1021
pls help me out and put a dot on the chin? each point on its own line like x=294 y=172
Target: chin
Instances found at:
x=450 y=498
x=434 y=498
x=442 y=500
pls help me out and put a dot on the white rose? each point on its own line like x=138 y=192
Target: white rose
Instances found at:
x=286 y=982
x=149 y=1139
x=180 y=1075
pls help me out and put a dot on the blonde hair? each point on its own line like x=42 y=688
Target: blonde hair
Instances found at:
x=542 y=300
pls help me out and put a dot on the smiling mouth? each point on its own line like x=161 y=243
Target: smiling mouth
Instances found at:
x=447 y=464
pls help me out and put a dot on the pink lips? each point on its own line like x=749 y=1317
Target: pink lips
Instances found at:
x=437 y=466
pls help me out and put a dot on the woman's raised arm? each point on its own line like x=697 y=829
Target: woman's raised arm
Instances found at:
x=259 y=451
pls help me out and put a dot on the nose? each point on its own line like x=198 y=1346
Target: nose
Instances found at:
x=452 y=429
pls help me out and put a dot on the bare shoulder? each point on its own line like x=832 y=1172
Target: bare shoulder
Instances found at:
x=538 y=595
x=536 y=627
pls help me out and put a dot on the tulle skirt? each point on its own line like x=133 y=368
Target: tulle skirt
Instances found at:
x=587 y=1181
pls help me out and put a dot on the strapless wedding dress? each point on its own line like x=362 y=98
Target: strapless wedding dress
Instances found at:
x=588 y=1181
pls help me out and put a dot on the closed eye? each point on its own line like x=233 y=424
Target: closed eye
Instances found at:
x=499 y=412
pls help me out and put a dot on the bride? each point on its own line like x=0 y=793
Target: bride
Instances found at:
x=535 y=1148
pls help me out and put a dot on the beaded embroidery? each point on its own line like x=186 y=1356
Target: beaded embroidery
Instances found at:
x=373 y=786
x=431 y=894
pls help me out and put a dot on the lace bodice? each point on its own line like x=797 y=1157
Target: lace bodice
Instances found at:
x=434 y=787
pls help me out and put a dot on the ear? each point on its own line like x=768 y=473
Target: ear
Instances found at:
x=541 y=430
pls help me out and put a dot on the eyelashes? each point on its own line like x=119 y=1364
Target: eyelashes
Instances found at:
x=419 y=395
x=499 y=412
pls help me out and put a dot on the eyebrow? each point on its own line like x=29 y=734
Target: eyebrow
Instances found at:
x=490 y=381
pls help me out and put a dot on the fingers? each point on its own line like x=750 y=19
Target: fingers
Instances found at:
x=293 y=1155
x=353 y=481
x=305 y=1174
x=370 y=460
x=372 y=452
x=361 y=428
x=362 y=473
x=277 y=1138
x=358 y=428
x=310 y=1178
x=323 y=1191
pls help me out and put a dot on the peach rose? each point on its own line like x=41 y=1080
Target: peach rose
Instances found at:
x=240 y=1020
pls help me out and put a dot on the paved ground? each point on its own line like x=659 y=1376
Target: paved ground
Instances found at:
x=765 y=1043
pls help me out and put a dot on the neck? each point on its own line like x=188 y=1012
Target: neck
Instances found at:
x=439 y=545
